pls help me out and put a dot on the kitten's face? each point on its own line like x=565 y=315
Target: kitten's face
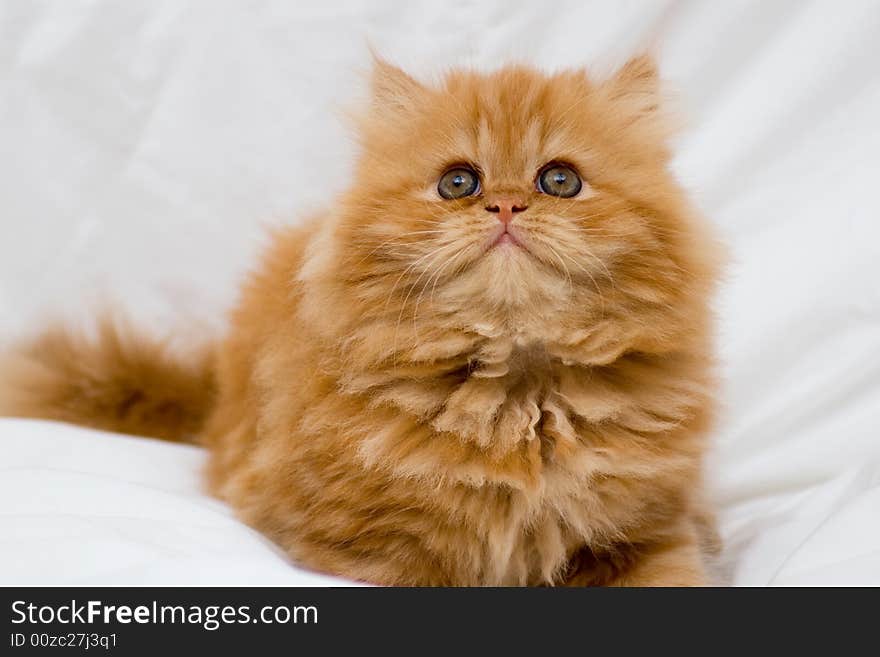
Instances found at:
x=514 y=194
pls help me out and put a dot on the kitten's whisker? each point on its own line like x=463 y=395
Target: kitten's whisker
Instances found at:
x=565 y=269
x=440 y=271
x=396 y=282
x=409 y=293
x=422 y=291
x=397 y=239
x=592 y=278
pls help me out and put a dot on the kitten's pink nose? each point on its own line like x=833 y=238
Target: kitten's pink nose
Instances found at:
x=505 y=207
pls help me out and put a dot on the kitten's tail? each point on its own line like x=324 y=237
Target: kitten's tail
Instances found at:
x=116 y=379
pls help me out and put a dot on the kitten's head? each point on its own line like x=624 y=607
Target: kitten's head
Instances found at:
x=533 y=203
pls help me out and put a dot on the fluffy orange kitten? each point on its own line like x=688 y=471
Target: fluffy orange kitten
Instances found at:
x=488 y=363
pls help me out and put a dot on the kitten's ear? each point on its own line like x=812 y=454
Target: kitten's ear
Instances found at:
x=635 y=88
x=392 y=89
x=639 y=72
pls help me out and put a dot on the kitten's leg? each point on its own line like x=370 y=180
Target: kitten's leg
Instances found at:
x=674 y=561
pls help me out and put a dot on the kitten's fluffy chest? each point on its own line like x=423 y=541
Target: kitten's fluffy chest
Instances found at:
x=528 y=537
x=532 y=530
x=520 y=408
x=501 y=403
x=507 y=444
x=545 y=456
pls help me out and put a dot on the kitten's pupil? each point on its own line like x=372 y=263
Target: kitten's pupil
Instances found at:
x=458 y=181
x=559 y=178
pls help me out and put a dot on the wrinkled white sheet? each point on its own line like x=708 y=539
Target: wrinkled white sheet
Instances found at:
x=146 y=145
x=88 y=507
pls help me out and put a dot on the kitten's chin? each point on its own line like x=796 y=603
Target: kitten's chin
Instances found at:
x=506 y=275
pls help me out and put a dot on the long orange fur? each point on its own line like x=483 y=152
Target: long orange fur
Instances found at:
x=397 y=404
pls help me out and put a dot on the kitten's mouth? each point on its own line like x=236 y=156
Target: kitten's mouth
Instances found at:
x=506 y=237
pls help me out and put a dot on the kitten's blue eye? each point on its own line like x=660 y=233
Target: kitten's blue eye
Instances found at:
x=559 y=180
x=458 y=183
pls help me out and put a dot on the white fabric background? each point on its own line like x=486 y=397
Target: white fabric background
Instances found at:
x=147 y=144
